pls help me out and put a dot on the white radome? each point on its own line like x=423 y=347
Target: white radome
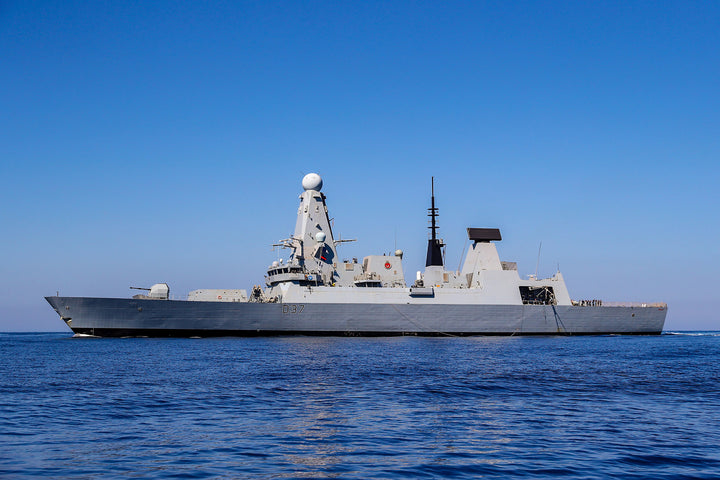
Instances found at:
x=312 y=181
x=320 y=237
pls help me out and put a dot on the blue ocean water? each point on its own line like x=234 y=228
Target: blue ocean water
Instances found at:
x=387 y=408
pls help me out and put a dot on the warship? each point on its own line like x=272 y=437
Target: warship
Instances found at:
x=315 y=293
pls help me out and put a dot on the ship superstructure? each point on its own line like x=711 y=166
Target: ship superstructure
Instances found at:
x=313 y=292
x=313 y=262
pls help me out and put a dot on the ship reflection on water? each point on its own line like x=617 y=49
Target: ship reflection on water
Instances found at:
x=351 y=420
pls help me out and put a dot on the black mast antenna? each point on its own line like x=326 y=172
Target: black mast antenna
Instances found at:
x=434 y=250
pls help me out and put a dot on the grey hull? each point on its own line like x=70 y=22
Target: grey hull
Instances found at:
x=179 y=318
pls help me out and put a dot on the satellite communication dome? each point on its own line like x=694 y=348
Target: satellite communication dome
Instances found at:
x=312 y=181
x=320 y=237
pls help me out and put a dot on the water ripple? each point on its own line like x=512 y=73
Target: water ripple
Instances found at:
x=584 y=408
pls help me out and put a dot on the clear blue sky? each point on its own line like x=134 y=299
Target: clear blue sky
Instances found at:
x=145 y=142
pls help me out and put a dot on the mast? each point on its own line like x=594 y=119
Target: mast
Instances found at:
x=434 y=250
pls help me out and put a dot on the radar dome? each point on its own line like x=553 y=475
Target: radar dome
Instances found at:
x=320 y=237
x=312 y=181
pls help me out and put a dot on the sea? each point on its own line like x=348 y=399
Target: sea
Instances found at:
x=597 y=407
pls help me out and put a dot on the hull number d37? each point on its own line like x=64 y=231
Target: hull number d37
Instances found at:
x=290 y=308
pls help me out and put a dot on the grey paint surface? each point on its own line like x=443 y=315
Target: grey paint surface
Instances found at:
x=134 y=316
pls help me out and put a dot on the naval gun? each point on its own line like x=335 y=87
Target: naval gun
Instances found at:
x=159 y=291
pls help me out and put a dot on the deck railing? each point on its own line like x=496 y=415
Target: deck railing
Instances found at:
x=601 y=303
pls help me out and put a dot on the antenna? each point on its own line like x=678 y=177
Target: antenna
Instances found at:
x=433 y=212
x=434 y=250
x=462 y=255
x=537 y=265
